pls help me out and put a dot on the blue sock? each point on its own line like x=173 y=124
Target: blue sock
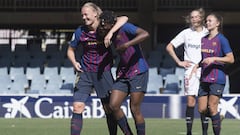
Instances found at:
x=123 y=124
x=216 y=124
x=112 y=124
x=76 y=124
x=140 y=129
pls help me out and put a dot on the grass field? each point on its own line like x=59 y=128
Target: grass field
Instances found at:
x=98 y=127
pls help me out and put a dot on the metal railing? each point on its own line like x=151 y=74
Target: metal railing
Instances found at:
x=64 y=5
x=180 y=4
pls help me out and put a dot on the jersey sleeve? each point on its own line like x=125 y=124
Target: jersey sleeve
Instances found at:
x=225 y=45
x=129 y=28
x=75 y=38
x=178 y=40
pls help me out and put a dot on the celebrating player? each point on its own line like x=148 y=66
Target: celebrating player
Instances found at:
x=94 y=66
x=132 y=72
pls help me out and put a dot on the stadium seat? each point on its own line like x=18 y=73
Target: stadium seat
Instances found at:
x=155 y=81
x=171 y=85
x=5 y=82
x=38 y=83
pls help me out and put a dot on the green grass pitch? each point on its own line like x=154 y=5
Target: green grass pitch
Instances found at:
x=37 y=126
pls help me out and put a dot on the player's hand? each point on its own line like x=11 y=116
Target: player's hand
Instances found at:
x=122 y=48
x=77 y=66
x=208 y=61
x=107 y=39
x=184 y=64
x=194 y=71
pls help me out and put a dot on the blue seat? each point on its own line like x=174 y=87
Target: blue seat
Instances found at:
x=171 y=85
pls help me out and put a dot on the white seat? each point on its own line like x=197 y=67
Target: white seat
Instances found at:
x=155 y=81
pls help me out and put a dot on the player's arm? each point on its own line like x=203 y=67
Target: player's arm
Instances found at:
x=141 y=35
x=71 y=57
x=172 y=53
x=120 y=21
x=227 y=59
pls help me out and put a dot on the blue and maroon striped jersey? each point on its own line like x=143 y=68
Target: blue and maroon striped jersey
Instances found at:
x=96 y=57
x=215 y=47
x=132 y=61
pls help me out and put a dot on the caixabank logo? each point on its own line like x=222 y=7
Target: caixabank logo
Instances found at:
x=61 y=107
x=50 y=107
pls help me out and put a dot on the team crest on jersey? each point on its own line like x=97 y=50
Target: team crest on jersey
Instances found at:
x=214 y=43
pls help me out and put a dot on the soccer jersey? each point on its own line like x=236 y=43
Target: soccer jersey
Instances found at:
x=192 y=43
x=215 y=47
x=96 y=57
x=132 y=61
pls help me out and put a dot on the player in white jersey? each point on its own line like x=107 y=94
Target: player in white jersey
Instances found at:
x=191 y=39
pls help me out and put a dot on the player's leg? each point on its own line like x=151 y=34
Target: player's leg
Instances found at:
x=215 y=94
x=135 y=105
x=103 y=84
x=81 y=93
x=77 y=120
x=191 y=88
x=138 y=87
x=190 y=113
x=203 y=106
x=117 y=97
x=111 y=120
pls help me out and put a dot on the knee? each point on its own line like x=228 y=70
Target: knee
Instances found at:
x=114 y=107
x=78 y=107
x=202 y=110
x=135 y=110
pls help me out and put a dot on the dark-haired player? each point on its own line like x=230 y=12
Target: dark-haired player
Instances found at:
x=132 y=71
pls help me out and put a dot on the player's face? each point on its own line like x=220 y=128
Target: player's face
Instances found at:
x=195 y=19
x=104 y=28
x=212 y=23
x=89 y=16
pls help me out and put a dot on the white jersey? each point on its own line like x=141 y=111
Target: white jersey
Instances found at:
x=192 y=43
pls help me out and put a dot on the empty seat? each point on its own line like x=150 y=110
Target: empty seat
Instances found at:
x=5 y=82
x=166 y=71
x=51 y=72
x=38 y=83
x=20 y=83
x=32 y=72
x=155 y=81
x=16 y=71
x=171 y=85
x=68 y=76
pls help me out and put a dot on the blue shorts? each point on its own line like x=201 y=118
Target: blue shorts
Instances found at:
x=210 y=89
x=86 y=82
x=136 y=84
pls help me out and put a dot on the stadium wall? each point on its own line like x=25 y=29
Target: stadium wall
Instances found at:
x=47 y=106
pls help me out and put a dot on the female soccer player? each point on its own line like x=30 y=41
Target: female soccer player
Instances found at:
x=93 y=68
x=132 y=72
x=191 y=38
x=216 y=52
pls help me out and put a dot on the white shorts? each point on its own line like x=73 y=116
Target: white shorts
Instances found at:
x=191 y=86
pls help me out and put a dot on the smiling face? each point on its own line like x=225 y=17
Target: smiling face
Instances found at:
x=89 y=15
x=212 y=23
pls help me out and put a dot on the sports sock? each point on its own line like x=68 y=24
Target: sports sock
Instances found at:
x=204 y=121
x=189 y=119
x=123 y=124
x=140 y=129
x=216 y=124
x=76 y=124
x=112 y=124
